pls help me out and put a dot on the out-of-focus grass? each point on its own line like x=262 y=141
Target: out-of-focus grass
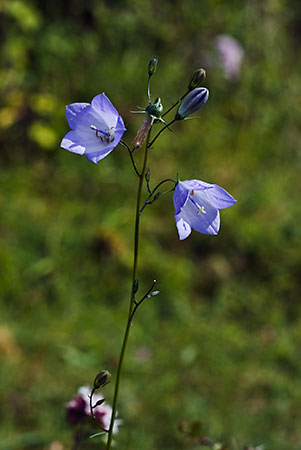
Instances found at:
x=221 y=342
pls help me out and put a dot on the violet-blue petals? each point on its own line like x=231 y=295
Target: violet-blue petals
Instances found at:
x=96 y=128
x=193 y=102
x=197 y=206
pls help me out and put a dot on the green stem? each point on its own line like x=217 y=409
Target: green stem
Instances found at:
x=132 y=304
x=161 y=131
x=175 y=104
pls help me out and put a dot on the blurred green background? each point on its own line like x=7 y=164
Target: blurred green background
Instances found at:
x=221 y=343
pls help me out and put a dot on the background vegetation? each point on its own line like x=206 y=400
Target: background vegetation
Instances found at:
x=221 y=343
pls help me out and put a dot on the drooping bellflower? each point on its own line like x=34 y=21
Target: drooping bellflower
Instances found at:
x=96 y=128
x=194 y=101
x=197 y=206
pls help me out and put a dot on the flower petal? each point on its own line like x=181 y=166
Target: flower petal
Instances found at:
x=80 y=142
x=217 y=197
x=97 y=156
x=100 y=154
x=73 y=111
x=212 y=193
x=103 y=107
x=207 y=222
x=90 y=117
x=184 y=229
x=196 y=185
x=71 y=142
x=120 y=129
x=180 y=197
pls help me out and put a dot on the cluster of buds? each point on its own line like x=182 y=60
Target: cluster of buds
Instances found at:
x=193 y=100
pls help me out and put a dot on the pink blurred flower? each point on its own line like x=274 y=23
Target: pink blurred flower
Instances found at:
x=230 y=55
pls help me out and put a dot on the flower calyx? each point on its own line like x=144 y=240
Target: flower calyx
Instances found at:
x=154 y=110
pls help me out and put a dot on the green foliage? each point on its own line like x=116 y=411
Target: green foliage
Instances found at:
x=220 y=344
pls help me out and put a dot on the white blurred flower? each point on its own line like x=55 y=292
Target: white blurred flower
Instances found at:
x=102 y=413
x=230 y=55
x=84 y=392
x=80 y=407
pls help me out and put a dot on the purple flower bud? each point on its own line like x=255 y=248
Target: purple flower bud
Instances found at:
x=194 y=101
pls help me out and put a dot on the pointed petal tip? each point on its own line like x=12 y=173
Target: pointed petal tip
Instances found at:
x=183 y=228
x=211 y=231
x=65 y=143
x=182 y=238
x=215 y=226
x=93 y=160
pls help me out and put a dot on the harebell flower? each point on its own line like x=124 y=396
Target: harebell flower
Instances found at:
x=197 y=206
x=96 y=128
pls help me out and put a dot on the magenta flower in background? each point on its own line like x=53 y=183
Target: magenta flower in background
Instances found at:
x=79 y=408
x=197 y=206
x=230 y=55
x=76 y=410
x=96 y=128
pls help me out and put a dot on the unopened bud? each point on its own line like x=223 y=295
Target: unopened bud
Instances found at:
x=101 y=379
x=152 y=66
x=194 y=101
x=198 y=77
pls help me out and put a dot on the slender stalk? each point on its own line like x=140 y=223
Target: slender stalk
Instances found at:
x=151 y=193
x=143 y=298
x=161 y=131
x=176 y=103
x=92 y=411
x=77 y=440
x=131 y=156
x=148 y=89
x=132 y=304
